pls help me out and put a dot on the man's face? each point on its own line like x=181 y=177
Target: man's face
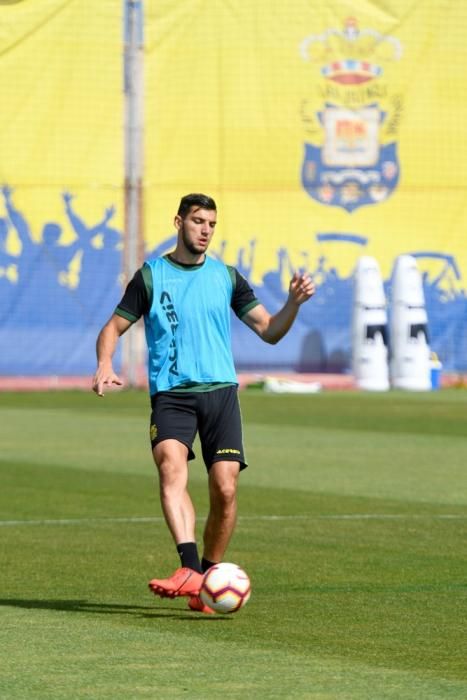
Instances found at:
x=197 y=229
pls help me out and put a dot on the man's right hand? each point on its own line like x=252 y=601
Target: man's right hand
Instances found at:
x=105 y=376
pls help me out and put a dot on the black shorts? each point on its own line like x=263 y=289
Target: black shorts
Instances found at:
x=215 y=415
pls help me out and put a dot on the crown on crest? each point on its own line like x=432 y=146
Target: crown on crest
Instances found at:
x=351 y=56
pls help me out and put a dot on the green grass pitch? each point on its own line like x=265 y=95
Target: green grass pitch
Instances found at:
x=352 y=527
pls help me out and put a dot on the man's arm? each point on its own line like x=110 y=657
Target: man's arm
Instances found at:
x=271 y=328
x=105 y=348
x=136 y=302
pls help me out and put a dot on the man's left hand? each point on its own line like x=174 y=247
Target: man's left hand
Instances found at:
x=301 y=288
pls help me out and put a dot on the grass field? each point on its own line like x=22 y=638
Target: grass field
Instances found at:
x=353 y=528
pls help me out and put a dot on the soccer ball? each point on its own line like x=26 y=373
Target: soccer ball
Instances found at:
x=225 y=588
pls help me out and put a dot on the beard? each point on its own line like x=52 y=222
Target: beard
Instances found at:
x=189 y=245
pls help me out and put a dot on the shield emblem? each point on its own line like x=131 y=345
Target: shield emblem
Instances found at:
x=351 y=169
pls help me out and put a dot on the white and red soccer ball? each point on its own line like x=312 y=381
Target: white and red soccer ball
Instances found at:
x=225 y=588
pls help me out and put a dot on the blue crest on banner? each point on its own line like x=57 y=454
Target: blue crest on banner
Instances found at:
x=349 y=187
x=351 y=169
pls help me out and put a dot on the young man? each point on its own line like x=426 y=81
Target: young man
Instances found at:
x=185 y=298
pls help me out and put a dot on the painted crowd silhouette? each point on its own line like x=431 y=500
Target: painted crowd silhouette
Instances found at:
x=54 y=297
x=41 y=284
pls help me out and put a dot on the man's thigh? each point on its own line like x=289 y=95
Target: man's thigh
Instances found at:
x=173 y=417
x=220 y=427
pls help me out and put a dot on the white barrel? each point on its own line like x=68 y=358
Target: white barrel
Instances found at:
x=369 y=328
x=410 y=351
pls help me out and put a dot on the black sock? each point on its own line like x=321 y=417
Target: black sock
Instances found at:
x=189 y=557
x=205 y=564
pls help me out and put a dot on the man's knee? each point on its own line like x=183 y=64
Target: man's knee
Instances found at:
x=171 y=461
x=223 y=481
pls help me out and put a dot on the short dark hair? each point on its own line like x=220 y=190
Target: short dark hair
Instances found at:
x=202 y=201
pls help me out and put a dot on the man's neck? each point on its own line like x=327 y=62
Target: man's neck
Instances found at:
x=184 y=257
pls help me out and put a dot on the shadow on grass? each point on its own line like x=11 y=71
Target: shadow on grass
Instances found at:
x=83 y=606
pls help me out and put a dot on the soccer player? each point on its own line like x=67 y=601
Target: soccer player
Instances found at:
x=185 y=298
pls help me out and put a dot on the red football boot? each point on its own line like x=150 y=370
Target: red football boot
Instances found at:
x=184 y=581
x=195 y=603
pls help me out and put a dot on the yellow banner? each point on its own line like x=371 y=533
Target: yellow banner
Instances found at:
x=329 y=129
x=61 y=115
x=61 y=181
x=324 y=130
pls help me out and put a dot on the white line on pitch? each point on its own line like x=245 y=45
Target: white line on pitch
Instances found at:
x=154 y=519
x=81 y=521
